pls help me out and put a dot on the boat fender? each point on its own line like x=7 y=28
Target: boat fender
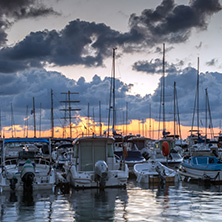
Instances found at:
x=125 y=153
x=165 y=148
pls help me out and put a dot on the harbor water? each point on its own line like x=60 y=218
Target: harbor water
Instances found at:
x=180 y=202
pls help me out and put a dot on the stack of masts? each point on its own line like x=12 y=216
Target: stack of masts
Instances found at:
x=69 y=109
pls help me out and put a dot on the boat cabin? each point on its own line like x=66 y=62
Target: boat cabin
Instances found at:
x=88 y=150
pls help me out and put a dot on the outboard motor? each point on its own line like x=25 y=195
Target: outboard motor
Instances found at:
x=101 y=173
x=13 y=182
x=12 y=179
x=162 y=175
x=214 y=150
x=145 y=153
x=27 y=175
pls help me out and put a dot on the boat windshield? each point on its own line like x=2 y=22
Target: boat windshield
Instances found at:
x=201 y=160
x=139 y=144
x=110 y=150
x=24 y=155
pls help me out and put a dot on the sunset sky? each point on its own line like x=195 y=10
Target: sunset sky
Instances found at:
x=66 y=45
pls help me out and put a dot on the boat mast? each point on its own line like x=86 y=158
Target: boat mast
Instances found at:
x=100 y=120
x=208 y=109
x=34 y=117
x=88 y=121
x=27 y=121
x=206 y=115
x=12 y=122
x=164 y=127
x=112 y=96
x=174 y=108
x=196 y=103
x=40 y=120
x=69 y=109
x=114 y=108
x=52 y=116
x=126 y=116
x=198 y=127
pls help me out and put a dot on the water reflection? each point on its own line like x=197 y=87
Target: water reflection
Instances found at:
x=97 y=205
x=139 y=202
x=24 y=206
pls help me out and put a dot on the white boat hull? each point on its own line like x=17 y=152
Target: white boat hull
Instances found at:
x=44 y=178
x=115 y=178
x=211 y=175
x=155 y=172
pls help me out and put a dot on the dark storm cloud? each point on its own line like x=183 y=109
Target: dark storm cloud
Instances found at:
x=11 y=11
x=78 y=43
x=154 y=67
x=173 y=23
x=88 y=43
x=20 y=9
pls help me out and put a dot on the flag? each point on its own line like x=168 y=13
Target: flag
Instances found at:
x=32 y=111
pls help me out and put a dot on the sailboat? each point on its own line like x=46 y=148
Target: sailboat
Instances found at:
x=203 y=162
x=125 y=153
x=164 y=149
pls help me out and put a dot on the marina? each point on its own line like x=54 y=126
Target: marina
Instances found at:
x=185 y=202
x=110 y=111
x=154 y=193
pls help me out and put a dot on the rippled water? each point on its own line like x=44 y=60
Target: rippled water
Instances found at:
x=183 y=202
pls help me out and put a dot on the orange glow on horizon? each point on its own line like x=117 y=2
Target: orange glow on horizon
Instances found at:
x=149 y=128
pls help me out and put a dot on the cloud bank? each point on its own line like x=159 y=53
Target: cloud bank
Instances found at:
x=18 y=90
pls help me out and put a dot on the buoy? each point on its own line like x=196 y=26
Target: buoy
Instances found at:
x=165 y=148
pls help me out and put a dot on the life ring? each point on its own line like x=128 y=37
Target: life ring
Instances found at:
x=125 y=153
x=165 y=148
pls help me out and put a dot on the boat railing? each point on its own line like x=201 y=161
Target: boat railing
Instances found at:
x=10 y=162
x=36 y=161
x=42 y=161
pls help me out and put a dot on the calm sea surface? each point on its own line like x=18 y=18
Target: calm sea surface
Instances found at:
x=183 y=202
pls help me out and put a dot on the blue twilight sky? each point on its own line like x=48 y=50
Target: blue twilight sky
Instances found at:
x=67 y=45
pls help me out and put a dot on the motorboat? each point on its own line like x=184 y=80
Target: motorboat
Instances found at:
x=93 y=164
x=128 y=148
x=28 y=170
x=153 y=172
x=203 y=166
x=13 y=146
x=164 y=152
x=59 y=154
